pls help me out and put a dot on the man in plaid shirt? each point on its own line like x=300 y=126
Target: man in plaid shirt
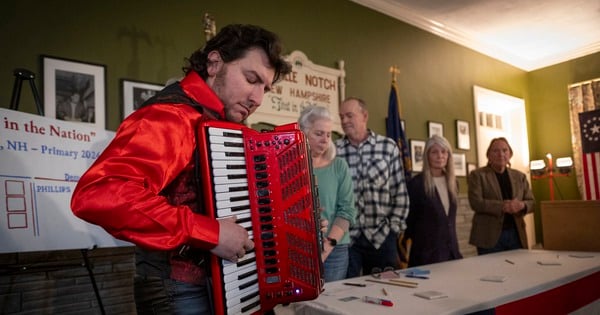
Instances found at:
x=380 y=191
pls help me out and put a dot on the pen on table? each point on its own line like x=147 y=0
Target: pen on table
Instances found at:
x=509 y=261
x=355 y=284
x=384 y=291
x=374 y=300
x=399 y=284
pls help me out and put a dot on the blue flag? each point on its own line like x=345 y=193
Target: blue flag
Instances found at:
x=395 y=131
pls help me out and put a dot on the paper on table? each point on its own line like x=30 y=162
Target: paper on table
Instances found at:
x=431 y=295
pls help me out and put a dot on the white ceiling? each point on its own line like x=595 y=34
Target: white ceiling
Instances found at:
x=527 y=34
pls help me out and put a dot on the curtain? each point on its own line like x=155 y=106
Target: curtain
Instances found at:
x=583 y=97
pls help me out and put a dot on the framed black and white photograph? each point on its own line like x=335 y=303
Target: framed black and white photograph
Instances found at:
x=460 y=164
x=74 y=91
x=135 y=93
x=463 y=139
x=417 y=148
x=435 y=128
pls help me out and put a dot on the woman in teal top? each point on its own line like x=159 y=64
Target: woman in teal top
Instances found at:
x=336 y=193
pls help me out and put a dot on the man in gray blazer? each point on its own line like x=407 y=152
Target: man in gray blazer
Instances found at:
x=500 y=197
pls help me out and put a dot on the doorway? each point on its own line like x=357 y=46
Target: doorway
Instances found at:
x=502 y=115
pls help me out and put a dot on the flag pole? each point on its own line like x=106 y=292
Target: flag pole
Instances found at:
x=394 y=71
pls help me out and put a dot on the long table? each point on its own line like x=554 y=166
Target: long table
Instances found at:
x=535 y=282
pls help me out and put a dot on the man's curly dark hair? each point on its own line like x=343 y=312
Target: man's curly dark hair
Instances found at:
x=233 y=41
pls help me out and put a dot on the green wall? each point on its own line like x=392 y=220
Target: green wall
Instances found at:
x=550 y=128
x=148 y=41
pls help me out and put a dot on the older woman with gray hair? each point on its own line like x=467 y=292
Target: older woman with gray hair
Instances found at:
x=335 y=189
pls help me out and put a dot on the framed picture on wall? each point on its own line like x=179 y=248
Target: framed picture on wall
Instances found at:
x=74 y=91
x=417 y=148
x=463 y=138
x=460 y=164
x=435 y=128
x=135 y=93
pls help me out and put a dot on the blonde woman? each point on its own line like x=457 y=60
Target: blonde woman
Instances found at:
x=431 y=222
x=335 y=189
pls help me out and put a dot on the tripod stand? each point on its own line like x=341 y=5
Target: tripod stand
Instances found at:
x=20 y=75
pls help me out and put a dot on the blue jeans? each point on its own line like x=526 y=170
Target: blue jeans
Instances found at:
x=509 y=240
x=154 y=295
x=336 y=264
x=364 y=257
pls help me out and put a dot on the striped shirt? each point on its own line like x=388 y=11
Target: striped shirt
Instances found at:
x=379 y=187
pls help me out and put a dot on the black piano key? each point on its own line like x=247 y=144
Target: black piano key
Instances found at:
x=246 y=262
x=236 y=167
x=250 y=306
x=249 y=296
x=246 y=274
x=238 y=198
x=232 y=134
x=248 y=284
x=243 y=220
x=238 y=188
x=240 y=208
x=234 y=154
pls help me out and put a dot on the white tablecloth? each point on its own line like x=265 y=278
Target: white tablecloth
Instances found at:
x=460 y=281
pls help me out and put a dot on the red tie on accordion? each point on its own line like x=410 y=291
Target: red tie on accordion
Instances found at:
x=265 y=179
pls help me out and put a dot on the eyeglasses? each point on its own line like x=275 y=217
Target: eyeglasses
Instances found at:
x=387 y=272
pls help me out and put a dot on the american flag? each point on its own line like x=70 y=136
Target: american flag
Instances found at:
x=395 y=130
x=590 y=144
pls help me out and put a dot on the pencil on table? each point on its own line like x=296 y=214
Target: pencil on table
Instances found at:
x=384 y=291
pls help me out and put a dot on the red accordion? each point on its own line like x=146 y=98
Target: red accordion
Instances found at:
x=265 y=179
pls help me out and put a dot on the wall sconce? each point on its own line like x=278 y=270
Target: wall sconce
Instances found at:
x=539 y=170
x=537 y=167
x=564 y=165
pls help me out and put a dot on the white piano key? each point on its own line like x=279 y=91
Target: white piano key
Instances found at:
x=231 y=195
x=249 y=296
x=235 y=294
x=227 y=212
x=229 y=267
x=231 y=187
x=233 y=277
x=220 y=180
x=226 y=163
x=248 y=299
x=238 y=283
x=224 y=156
x=215 y=147
x=231 y=204
x=226 y=172
x=237 y=309
x=224 y=139
x=215 y=131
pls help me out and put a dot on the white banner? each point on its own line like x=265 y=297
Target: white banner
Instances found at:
x=41 y=160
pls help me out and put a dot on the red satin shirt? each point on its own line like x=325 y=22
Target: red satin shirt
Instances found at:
x=120 y=191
